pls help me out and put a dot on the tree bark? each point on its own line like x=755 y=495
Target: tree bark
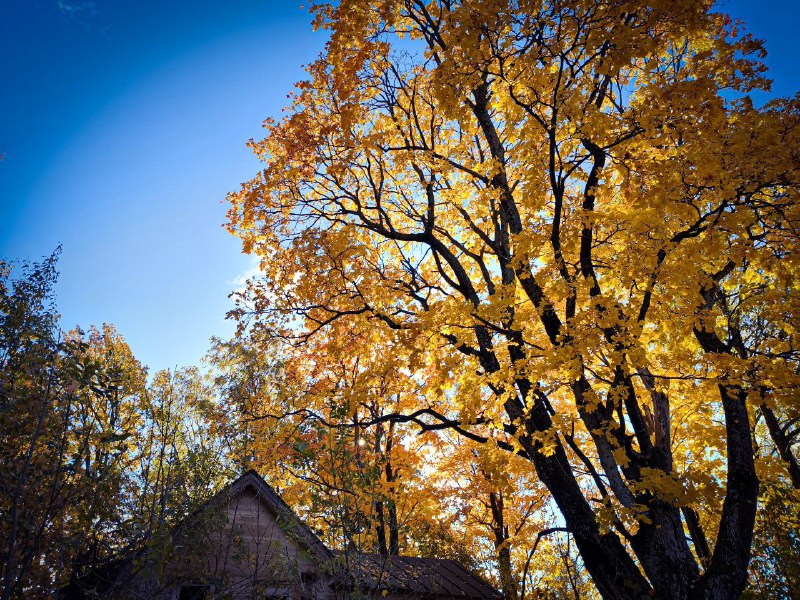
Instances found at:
x=380 y=529
x=783 y=443
x=613 y=571
x=726 y=576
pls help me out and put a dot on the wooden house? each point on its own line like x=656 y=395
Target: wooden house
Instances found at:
x=247 y=543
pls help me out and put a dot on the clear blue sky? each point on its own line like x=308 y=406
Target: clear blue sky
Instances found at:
x=123 y=125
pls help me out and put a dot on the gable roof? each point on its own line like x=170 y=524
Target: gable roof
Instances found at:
x=118 y=571
x=431 y=577
x=420 y=577
x=288 y=520
x=416 y=577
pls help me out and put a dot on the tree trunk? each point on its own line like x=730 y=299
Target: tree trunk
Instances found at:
x=783 y=443
x=380 y=529
x=502 y=547
x=394 y=529
x=726 y=576
x=612 y=569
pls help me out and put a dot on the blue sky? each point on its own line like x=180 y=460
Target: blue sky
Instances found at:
x=123 y=125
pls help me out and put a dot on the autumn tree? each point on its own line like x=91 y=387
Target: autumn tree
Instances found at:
x=66 y=410
x=107 y=384
x=28 y=348
x=570 y=224
x=301 y=423
x=325 y=431
x=97 y=460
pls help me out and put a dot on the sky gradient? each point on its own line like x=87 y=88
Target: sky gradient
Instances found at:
x=123 y=125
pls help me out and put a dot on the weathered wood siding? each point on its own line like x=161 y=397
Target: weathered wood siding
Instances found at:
x=241 y=553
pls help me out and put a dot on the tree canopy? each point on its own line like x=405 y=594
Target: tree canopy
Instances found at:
x=97 y=461
x=528 y=299
x=562 y=231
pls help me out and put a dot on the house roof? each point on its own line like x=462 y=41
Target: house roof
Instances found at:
x=417 y=577
x=118 y=570
x=421 y=577
x=289 y=521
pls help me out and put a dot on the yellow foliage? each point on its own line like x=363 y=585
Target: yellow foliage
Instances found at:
x=561 y=230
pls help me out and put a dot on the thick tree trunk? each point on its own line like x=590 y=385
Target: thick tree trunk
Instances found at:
x=394 y=531
x=385 y=508
x=380 y=529
x=507 y=583
x=391 y=476
x=663 y=552
x=660 y=546
x=659 y=543
x=612 y=569
x=726 y=576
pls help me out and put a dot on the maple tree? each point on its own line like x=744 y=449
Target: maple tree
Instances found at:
x=301 y=420
x=359 y=486
x=568 y=232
